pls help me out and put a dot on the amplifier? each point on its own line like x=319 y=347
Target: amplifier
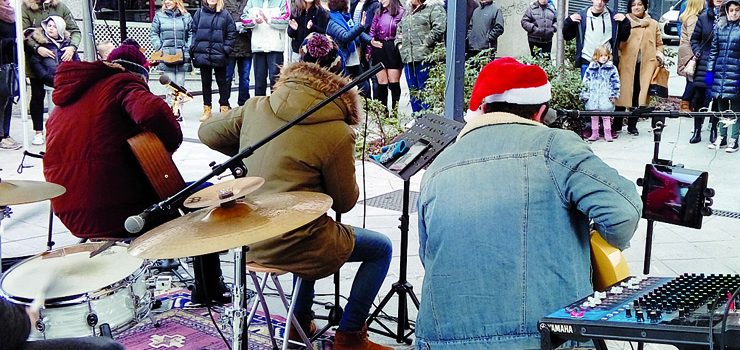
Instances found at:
x=694 y=310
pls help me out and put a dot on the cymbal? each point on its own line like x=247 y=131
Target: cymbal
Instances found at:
x=209 y=196
x=227 y=226
x=22 y=192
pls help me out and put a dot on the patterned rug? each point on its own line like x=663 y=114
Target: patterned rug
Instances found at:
x=185 y=327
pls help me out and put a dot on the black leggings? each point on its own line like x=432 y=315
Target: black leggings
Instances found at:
x=206 y=81
x=38 y=97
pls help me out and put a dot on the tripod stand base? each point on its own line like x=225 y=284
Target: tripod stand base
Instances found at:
x=404 y=290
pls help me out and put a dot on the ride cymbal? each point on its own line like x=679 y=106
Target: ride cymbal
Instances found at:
x=22 y=192
x=209 y=196
x=231 y=225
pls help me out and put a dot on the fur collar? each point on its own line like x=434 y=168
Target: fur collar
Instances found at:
x=34 y=6
x=495 y=118
x=322 y=80
x=38 y=35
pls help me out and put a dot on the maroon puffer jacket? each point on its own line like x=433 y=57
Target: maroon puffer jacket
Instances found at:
x=98 y=107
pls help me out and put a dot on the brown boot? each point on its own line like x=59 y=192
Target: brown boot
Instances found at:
x=206 y=113
x=309 y=327
x=684 y=106
x=357 y=340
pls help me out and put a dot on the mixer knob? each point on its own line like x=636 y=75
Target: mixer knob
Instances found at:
x=628 y=311
x=653 y=316
x=639 y=316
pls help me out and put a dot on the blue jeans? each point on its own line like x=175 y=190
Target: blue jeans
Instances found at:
x=583 y=68
x=373 y=250
x=416 y=74
x=245 y=65
x=265 y=63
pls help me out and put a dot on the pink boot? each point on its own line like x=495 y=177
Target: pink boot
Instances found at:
x=607 y=128
x=594 y=129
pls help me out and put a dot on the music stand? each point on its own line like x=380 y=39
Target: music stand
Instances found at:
x=430 y=135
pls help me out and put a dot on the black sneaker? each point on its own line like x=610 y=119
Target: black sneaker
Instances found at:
x=633 y=132
x=733 y=147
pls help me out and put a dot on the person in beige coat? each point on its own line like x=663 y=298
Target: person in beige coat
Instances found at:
x=639 y=56
x=316 y=155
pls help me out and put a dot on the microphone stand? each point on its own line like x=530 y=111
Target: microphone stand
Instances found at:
x=238 y=169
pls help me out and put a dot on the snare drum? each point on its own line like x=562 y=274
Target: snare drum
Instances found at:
x=84 y=292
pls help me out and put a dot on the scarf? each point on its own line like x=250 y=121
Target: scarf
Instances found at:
x=344 y=20
x=641 y=22
x=7 y=12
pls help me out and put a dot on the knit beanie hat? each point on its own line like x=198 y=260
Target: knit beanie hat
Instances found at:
x=322 y=50
x=129 y=56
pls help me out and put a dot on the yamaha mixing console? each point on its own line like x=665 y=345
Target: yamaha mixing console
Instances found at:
x=685 y=310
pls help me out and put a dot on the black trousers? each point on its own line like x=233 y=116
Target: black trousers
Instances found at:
x=224 y=86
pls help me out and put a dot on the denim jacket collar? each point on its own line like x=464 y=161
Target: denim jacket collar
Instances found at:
x=495 y=118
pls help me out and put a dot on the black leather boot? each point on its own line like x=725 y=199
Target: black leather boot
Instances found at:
x=713 y=131
x=697 y=136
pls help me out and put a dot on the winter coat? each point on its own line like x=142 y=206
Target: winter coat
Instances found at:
x=646 y=41
x=319 y=18
x=32 y=15
x=267 y=36
x=724 y=60
x=701 y=44
x=576 y=30
x=243 y=41
x=685 y=54
x=213 y=35
x=486 y=25
x=99 y=106
x=600 y=85
x=44 y=68
x=7 y=43
x=370 y=8
x=170 y=32
x=540 y=22
x=421 y=30
x=344 y=37
x=317 y=249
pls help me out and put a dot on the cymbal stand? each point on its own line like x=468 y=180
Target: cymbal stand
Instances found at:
x=238 y=311
x=4 y=214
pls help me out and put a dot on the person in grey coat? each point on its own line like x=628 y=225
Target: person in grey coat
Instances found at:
x=241 y=55
x=540 y=23
x=486 y=25
x=170 y=33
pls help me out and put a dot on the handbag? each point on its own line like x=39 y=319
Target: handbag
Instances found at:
x=9 y=85
x=169 y=58
x=659 y=82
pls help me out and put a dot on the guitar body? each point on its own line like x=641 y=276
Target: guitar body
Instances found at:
x=608 y=262
x=157 y=164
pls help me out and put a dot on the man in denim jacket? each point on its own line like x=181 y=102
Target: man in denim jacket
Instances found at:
x=504 y=218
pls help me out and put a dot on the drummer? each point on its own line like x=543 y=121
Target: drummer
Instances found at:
x=315 y=155
x=16 y=323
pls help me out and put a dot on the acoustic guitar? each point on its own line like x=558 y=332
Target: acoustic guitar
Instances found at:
x=608 y=262
x=157 y=164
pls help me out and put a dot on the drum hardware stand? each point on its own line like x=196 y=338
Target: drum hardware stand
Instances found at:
x=236 y=165
x=22 y=166
x=436 y=133
x=4 y=214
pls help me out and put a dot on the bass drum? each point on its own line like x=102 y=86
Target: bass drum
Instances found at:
x=82 y=292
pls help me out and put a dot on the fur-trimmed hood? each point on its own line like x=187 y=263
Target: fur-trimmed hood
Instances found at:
x=41 y=38
x=302 y=85
x=35 y=6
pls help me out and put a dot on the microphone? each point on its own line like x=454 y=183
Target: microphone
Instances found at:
x=136 y=223
x=165 y=80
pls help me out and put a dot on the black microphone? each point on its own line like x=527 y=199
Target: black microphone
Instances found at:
x=165 y=80
x=136 y=223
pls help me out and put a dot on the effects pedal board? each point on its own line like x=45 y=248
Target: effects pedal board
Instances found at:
x=684 y=310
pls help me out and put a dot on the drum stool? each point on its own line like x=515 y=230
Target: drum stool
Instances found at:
x=272 y=274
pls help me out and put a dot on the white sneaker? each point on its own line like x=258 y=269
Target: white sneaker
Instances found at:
x=9 y=144
x=717 y=143
x=38 y=140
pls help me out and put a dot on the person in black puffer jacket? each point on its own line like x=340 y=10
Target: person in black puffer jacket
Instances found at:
x=213 y=34
x=310 y=17
x=701 y=43
x=7 y=55
x=723 y=71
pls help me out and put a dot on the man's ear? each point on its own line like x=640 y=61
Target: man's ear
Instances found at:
x=540 y=114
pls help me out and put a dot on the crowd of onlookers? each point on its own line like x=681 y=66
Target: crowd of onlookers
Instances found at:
x=228 y=38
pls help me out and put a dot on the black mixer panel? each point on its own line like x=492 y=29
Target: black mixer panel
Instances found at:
x=687 y=309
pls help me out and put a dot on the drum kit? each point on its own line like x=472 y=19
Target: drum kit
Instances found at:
x=80 y=290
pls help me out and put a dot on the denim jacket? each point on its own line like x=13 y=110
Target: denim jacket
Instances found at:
x=504 y=231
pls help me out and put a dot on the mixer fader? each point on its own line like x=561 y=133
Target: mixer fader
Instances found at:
x=680 y=310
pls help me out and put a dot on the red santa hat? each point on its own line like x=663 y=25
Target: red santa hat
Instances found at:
x=507 y=80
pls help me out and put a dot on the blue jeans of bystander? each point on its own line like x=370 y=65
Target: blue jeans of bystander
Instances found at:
x=245 y=66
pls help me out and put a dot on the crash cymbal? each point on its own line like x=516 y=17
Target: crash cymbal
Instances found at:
x=209 y=196
x=22 y=192
x=231 y=225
